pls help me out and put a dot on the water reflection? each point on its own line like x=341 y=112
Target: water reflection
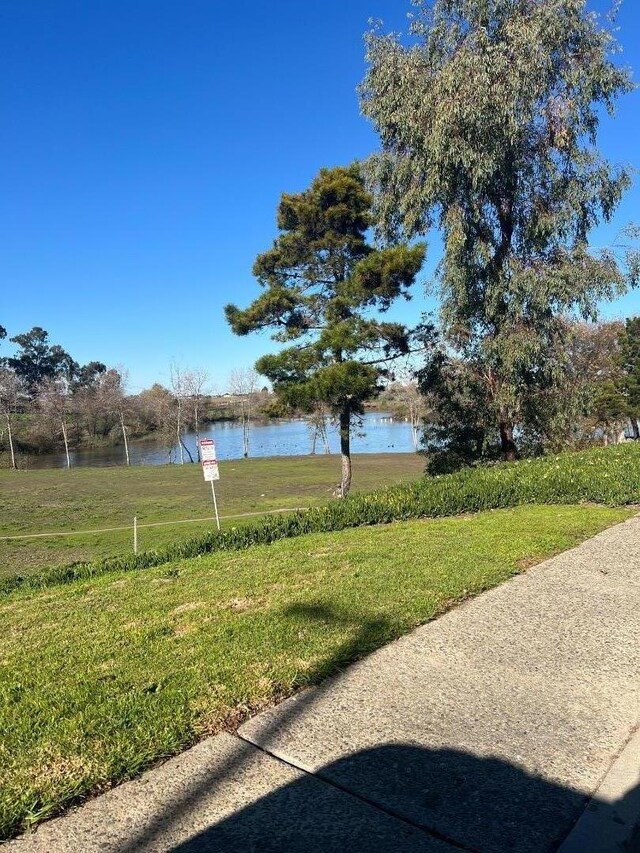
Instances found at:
x=379 y=433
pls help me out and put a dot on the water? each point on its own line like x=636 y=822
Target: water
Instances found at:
x=379 y=433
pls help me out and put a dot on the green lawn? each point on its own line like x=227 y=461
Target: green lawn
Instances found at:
x=90 y=498
x=100 y=678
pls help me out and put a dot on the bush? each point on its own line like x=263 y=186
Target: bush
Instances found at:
x=608 y=476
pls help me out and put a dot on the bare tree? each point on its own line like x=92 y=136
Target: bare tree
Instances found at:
x=157 y=409
x=405 y=400
x=113 y=401
x=12 y=390
x=243 y=383
x=195 y=382
x=53 y=401
x=318 y=428
x=179 y=387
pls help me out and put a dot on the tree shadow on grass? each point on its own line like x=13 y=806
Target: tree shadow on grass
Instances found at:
x=393 y=797
x=368 y=636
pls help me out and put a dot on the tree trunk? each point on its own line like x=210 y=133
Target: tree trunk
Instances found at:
x=13 y=455
x=184 y=447
x=197 y=428
x=178 y=431
x=508 y=445
x=414 y=418
x=126 y=440
x=66 y=442
x=245 y=431
x=325 y=440
x=345 y=451
x=635 y=428
x=323 y=433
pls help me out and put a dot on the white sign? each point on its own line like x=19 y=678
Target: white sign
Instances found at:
x=210 y=471
x=207 y=450
x=209 y=460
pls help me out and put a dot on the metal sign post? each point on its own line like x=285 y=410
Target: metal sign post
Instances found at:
x=215 y=504
x=210 y=469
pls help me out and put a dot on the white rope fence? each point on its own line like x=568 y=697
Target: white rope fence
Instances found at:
x=150 y=524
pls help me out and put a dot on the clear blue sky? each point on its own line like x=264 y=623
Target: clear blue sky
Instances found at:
x=143 y=148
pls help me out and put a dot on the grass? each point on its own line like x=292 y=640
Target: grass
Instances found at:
x=89 y=498
x=609 y=476
x=100 y=678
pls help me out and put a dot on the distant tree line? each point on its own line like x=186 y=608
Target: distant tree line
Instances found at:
x=49 y=402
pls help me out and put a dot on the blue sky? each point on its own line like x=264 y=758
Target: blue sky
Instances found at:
x=144 y=145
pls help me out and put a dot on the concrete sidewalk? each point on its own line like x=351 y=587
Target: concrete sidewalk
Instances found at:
x=489 y=729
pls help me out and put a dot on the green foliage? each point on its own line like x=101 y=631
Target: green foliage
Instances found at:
x=587 y=404
x=630 y=360
x=37 y=361
x=607 y=476
x=459 y=430
x=324 y=287
x=488 y=122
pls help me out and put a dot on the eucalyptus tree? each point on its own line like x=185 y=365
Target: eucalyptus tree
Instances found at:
x=324 y=289
x=488 y=117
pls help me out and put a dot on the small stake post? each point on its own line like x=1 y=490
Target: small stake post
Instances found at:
x=215 y=504
x=135 y=534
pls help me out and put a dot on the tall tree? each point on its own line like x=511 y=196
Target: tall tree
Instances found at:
x=488 y=121
x=87 y=375
x=38 y=360
x=323 y=287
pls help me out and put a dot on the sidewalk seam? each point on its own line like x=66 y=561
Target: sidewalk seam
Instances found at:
x=591 y=822
x=433 y=833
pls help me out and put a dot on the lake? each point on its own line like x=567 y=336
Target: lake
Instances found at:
x=380 y=433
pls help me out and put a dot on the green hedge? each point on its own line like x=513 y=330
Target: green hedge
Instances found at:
x=609 y=476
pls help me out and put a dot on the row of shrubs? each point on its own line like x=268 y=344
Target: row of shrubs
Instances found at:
x=609 y=476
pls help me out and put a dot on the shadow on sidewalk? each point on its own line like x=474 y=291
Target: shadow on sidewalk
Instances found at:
x=438 y=800
x=394 y=797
